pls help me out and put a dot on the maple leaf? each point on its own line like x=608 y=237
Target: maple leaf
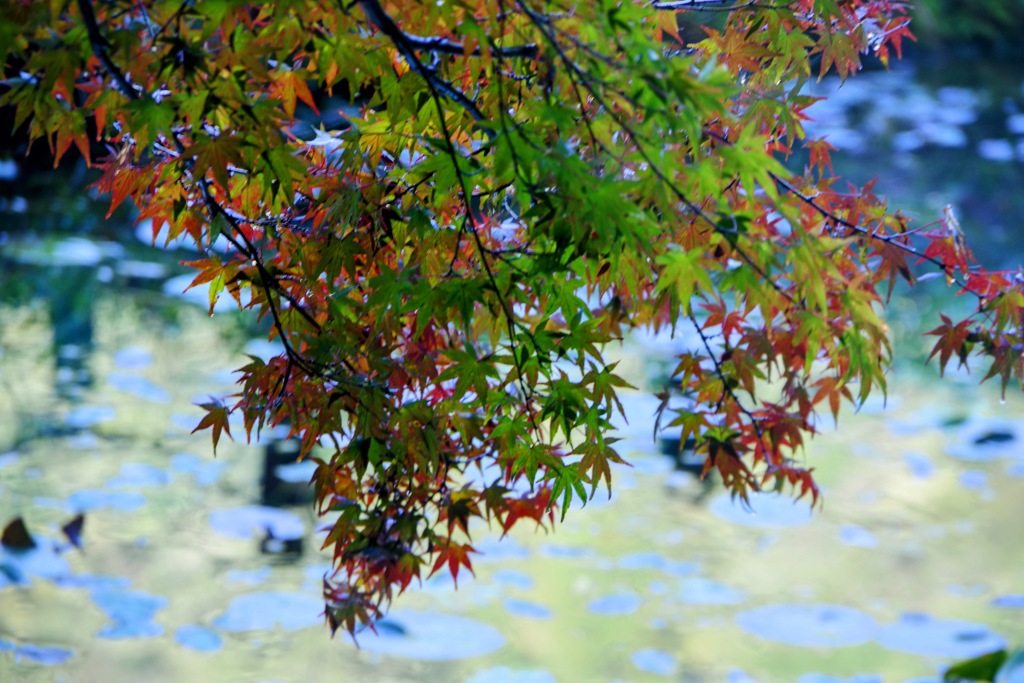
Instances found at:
x=216 y=155
x=216 y=419
x=951 y=340
x=456 y=556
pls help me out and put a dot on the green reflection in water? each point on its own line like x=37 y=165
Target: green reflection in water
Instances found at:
x=939 y=547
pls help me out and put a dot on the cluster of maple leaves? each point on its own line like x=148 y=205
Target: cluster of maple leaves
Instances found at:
x=524 y=181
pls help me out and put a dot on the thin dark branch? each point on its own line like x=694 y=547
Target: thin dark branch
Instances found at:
x=446 y=46
x=99 y=48
x=714 y=5
x=401 y=40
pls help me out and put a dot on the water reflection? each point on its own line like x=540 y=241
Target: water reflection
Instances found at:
x=662 y=583
x=36 y=654
x=265 y=611
x=654 y=562
x=767 y=510
x=809 y=625
x=131 y=613
x=925 y=635
x=431 y=636
x=198 y=638
x=655 y=662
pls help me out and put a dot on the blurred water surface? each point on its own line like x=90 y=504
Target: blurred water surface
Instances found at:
x=912 y=561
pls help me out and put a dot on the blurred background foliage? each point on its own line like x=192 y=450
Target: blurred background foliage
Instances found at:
x=958 y=24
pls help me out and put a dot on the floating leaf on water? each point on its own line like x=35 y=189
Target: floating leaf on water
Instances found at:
x=73 y=530
x=982 y=668
x=16 y=536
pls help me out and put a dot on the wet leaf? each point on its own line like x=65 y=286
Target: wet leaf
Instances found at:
x=982 y=668
x=16 y=536
x=73 y=530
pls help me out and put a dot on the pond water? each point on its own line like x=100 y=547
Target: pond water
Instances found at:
x=913 y=560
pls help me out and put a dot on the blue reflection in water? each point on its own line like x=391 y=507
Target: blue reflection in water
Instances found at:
x=503 y=674
x=1010 y=601
x=922 y=634
x=620 y=603
x=249 y=577
x=139 y=474
x=84 y=417
x=205 y=472
x=133 y=358
x=679 y=568
x=95 y=499
x=655 y=662
x=37 y=654
x=131 y=613
x=43 y=562
x=765 y=510
x=513 y=578
x=94 y=582
x=809 y=625
x=198 y=638
x=974 y=479
x=264 y=611
x=567 y=552
x=1015 y=469
x=525 y=608
x=296 y=472
x=247 y=520
x=84 y=441
x=857 y=536
x=920 y=465
x=139 y=387
x=701 y=591
x=646 y=560
x=430 y=636
x=493 y=549
x=984 y=439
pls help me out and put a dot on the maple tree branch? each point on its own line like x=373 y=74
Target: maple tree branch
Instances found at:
x=99 y=46
x=871 y=234
x=269 y=281
x=446 y=46
x=714 y=5
x=698 y=210
x=401 y=40
x=720 y=373
x=510 y=322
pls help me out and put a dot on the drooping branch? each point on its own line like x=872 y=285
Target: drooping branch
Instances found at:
x=405 y=45
x=714 y=5
x=99 y=48
x=446 y=46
